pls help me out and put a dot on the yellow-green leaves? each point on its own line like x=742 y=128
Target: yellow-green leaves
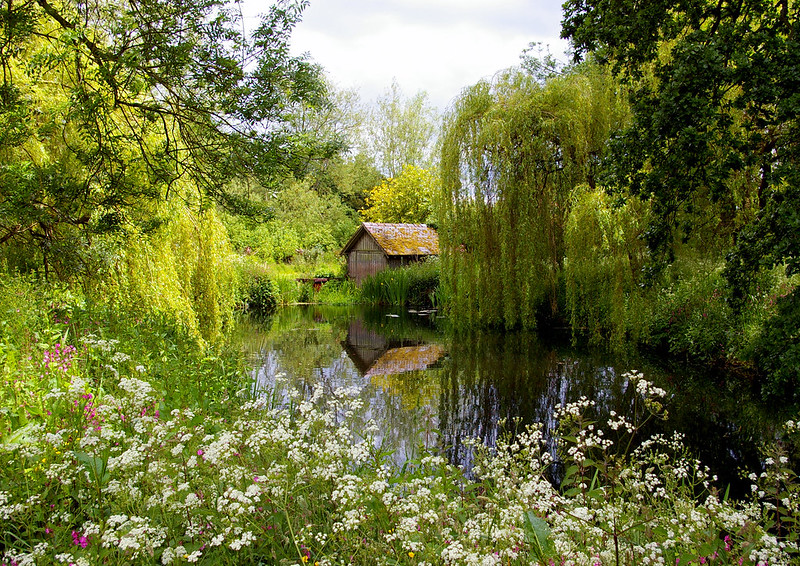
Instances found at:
x=407 y=198
x=604 y=257
x=513 y=150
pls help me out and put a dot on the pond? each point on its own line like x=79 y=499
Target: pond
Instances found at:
x=428 y=387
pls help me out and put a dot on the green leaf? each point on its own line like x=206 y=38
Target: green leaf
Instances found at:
x=97 y=467
x=537 y=534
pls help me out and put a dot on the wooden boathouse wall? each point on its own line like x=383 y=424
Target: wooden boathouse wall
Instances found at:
x=366 y=258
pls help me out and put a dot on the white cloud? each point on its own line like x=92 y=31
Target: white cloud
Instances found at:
x=439 y=46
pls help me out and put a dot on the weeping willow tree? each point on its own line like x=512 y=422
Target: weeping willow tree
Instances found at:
x=605 y=253
x=183 y=269
x=513 y=150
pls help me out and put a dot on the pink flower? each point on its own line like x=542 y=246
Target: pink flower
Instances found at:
x=79 y=540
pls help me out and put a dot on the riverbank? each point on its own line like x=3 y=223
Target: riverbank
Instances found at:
x=126 y=442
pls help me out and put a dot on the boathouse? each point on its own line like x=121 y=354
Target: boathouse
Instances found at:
x=377 y=246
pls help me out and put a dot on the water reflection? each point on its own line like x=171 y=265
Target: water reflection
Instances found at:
x=426 y=388
x=377 y=355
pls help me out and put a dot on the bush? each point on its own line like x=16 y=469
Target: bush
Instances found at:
x=338 y=292
x=777 y=351
x=423 y=282
x=691 y=317
x=263 y=296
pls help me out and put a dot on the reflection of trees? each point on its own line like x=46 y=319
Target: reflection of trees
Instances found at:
x=310 y=346
x=491 y=378
x=485 y=378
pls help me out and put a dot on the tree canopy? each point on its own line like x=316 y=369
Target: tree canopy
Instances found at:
x=406 y=198
x=713 y=144
x=402 y=131
x=715 y=114
x=106 y=105
x=513 y=150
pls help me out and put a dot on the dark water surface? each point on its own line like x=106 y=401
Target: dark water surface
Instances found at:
x=425 y=386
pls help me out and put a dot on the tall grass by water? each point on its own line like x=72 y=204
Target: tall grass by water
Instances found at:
x=412 y=285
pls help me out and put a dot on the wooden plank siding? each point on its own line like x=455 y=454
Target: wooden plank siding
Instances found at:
x=365 y=259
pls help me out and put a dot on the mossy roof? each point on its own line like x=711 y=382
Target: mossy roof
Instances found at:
x=399 y=239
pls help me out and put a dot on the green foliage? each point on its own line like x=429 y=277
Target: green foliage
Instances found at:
x=182 y=270
x=131 y=436
x=415 y=284
x=713 y=145
x=348 y=171
x=777 y=350
x=51 y=336
x=263 y=296
x=715 y=122
x=338 y=292
x=604 y=258
x=320 y=222
x=401 y=131
x=513 y=151
x=289 y=290
x=353 y=179
x=109 y=106
x=713 y=98
x=405 y=199
x=387 y=287
x=303 y=223
x=690 y=316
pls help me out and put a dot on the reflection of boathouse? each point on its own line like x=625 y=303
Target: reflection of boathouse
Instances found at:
x=375 y=354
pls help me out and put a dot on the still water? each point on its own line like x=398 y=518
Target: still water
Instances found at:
x=427 y=387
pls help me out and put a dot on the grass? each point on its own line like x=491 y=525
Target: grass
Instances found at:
x=414 y=285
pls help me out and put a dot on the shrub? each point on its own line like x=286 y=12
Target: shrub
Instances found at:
x=423 y=282
x=777 y=350
x=263 y=296
x=338 y=292
x=691 y=317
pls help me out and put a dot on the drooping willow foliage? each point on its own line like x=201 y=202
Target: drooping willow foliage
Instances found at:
x=512 y=152
x=604 y=257
x=184 y=270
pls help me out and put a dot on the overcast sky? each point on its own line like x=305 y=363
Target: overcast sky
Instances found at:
x=439 y=46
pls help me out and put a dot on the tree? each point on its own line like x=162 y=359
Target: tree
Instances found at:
x=716 y=117
x=106 y=105
x=513 y=151
x=407 y=198
x=353 y=178
x=402 y=131
x=715 y=114
x=346 y=170
x=604 y=254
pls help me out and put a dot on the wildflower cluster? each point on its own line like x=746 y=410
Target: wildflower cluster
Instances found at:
x=114 y=476
x=59 y=359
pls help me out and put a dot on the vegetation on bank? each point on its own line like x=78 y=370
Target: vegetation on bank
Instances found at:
x=541 y=223
x=126 y=446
